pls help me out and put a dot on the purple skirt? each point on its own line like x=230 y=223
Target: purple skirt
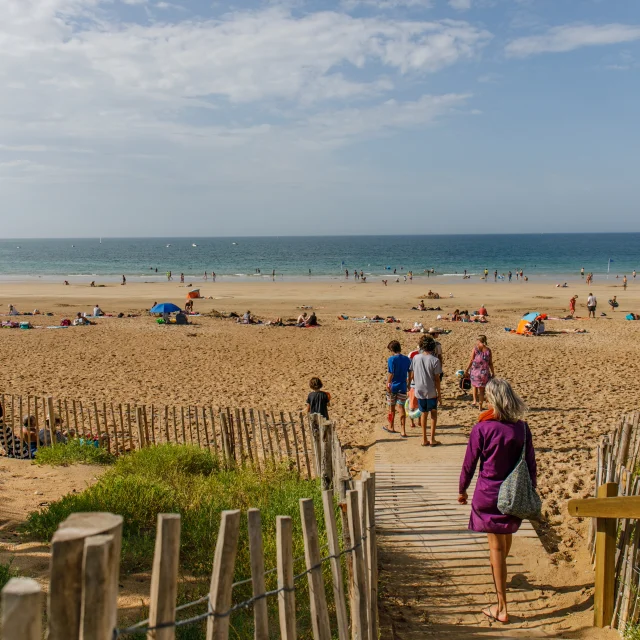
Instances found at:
x=485 y=516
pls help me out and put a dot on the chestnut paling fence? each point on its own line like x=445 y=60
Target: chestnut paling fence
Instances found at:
x=83 y=592
x=257 y=437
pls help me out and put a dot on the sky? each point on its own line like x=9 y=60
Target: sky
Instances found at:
x=303 y=117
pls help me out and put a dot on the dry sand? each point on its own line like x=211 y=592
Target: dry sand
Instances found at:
x=577 y=385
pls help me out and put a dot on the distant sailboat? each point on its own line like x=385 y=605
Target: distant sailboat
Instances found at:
x=194 y=245
x=234 y=243
x=168 y=246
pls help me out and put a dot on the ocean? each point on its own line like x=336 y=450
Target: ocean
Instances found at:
x=548 y=256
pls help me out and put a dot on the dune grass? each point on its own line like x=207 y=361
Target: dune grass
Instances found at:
x=73 y=452
x=192 y=482
x=6 y=573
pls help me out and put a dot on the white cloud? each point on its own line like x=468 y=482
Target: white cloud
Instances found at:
x=570 y=37
x=387 y=5
x=460 y=5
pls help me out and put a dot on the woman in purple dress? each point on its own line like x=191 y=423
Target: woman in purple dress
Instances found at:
x=480 y=370
x=496 y=441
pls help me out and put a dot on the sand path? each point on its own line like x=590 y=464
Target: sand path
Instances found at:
x=435 y=576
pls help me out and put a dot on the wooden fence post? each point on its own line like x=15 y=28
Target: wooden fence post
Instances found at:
x=326 y=459
x=336 y=566
x=314 y=428
x=140 y=424
x=224 y=562
x=95 y=622
x=359 y=623
x=22 y=610
x=164 y=577
x=256 y=551
x=362 y=487
x=372 y=547
x=286 y=597
x=52 y=421
x=67 y=552
x=606 y=530
x=318 y=600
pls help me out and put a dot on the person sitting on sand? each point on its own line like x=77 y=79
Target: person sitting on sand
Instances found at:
x=80 y=321
x=318 y=401
x=188 y=306
x=247 y=319
x=93 y=283
x=312 y=320
x=302 y=319
x=66 y=283
x=482 y=311
x=97 y=311
x=13 y=446
x=13 y=311
x=455 y=316
x=181 y=318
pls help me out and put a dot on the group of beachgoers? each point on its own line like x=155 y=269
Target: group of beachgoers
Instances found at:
x=304 y=320
x=25 y=444
x=497 y=441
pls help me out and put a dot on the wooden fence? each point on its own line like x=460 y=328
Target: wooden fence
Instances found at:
x=85 y=556
x=242 y=435
x=618 y=569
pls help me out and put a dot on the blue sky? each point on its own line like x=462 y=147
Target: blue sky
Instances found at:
x=149 y=117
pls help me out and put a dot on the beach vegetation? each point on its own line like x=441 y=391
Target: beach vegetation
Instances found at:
x=6 y=573
x=193 y=482
x=73 y=452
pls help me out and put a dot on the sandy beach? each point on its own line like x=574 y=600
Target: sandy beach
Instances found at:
x=576 y=385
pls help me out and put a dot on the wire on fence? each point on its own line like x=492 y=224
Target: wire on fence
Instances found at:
x=140 y=629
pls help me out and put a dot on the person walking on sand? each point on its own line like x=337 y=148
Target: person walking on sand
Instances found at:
x=624 y=283
x=497 y=441
x=213 y=276
x=572 y=306
x=634 y=274
x=592 y=303
x=182 y=278
x=318 y=401
x=398 y=371
x=124 y=280
x=480 y=370
x=582 y=272
x=425 y=372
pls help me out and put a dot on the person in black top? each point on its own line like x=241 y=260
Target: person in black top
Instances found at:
x=318 y=401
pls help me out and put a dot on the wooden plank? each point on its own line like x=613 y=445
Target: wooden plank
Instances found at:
x=606 y=529
x=286 y=597
x=362 y=487
x=184 y=431
x=222 y=575
x=204 y=427
x=303 y=430
x=115 y=429
x=296 y=444
x=52 y=421
x=13 y=424
x=97 y=419
x=35 y=417
x=336 y=565
x=131 y=445
x=317 y=598
x=269 y=440
x=276 y=436
x=175 y=426
x=326 y=453
x=139 y=423
x=213 y=430
x=166 y=424
x=254 y=439
x=372 y=553
x=195 y=409
x=247 y=439
x=621 y=507
x=164 y=576
x=359 y=618
x=283 y=424
x=256 y=552
x=190 y=425
x=314 y=429
x=95 y=622
x=22 y=609
x=226 y=446
x=257 y=426
x=238 y=432
x=152 y=427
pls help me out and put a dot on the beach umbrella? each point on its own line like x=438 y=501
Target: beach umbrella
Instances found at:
x=530 y=317
x=165 y=307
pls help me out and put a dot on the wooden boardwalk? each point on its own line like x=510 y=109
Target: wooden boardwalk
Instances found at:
x=438 y=570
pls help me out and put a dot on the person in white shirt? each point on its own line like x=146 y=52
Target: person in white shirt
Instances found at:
x=592 y=303
x=97 y=311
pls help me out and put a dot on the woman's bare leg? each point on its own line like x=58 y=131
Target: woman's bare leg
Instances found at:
x=499 y=547
x=480 y=397
x=474 y=391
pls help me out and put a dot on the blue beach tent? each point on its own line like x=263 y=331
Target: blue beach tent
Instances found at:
x=165 y=307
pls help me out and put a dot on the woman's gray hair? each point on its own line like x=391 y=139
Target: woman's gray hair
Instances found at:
x=507 y=405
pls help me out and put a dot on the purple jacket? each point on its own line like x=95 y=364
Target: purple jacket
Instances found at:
x=498 y=446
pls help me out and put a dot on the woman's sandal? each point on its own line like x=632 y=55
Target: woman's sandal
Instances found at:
x=493 y=618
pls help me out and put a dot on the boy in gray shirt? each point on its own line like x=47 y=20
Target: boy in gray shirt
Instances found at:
x=425 y=373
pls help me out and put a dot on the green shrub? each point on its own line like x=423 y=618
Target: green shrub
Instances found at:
x=632 y=632
x=192 y=482
x=6 y=573
x=73 y=452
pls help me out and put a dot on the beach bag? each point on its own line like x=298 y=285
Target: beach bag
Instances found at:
x=517 y=497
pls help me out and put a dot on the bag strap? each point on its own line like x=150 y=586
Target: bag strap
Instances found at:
x=524 y=446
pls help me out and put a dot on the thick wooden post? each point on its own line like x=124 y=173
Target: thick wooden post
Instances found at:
x=336 y=566
x=605 y=562
x=95 y=619
x=286 y=597
x=317 y=597
x=164 y=577
x=67 y=553
x=224 y=562
x=256 y=550
x=22 y=610
x=359 y=622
